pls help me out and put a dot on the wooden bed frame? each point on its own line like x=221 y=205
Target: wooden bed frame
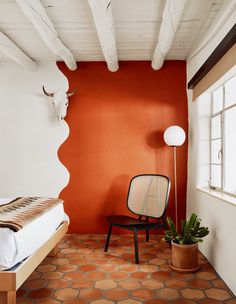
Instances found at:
x=10 y=281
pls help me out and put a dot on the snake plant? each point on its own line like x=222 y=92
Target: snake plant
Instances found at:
x=191 y=232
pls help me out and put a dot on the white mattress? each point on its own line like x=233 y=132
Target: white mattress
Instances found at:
x=16 y=246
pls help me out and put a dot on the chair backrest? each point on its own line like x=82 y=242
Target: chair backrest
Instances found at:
x=148 y=195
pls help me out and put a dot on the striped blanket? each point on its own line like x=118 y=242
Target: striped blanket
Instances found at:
x=23 y=210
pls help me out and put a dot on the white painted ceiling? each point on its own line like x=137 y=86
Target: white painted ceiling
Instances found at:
x=136 y=24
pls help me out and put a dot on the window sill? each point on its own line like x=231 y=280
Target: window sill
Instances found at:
x=224 y=197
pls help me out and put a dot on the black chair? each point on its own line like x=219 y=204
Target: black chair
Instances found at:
x=148 y=196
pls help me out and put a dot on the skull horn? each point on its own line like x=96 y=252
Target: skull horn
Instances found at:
x=71 y=93
x=46 y=93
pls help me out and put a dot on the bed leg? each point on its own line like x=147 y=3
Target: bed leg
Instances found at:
x=8 y=297
x=53 y=252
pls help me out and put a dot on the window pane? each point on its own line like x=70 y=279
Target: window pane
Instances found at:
x=230 y=92
x=215 y=127
x=216 y=176
x=216 y=151
x=230 y=150
x=217 y=100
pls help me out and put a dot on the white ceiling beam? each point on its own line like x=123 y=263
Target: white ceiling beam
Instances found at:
x=11 y=50
x=171 y=17
x=103 y=20
x=36 y=13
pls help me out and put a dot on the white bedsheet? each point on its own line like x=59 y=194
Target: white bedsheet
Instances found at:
x=16 y=246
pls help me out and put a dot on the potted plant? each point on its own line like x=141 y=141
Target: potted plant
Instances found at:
x=184 y=244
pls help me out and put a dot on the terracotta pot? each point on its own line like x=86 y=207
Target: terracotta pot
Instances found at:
x=184 y=258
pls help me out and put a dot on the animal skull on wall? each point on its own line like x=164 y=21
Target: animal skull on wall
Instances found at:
x=60 y=102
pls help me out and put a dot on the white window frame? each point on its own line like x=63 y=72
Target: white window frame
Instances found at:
x=222 y=115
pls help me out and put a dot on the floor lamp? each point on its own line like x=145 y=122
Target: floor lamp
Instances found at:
x=174 y=136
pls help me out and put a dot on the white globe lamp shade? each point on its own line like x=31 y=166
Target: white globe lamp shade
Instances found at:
x=174 y=136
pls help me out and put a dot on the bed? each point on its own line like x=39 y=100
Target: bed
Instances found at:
x=20 y=253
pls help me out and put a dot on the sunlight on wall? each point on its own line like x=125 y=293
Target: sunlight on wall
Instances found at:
x=30 y=135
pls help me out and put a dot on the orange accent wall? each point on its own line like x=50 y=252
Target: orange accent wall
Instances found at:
x=117 y=121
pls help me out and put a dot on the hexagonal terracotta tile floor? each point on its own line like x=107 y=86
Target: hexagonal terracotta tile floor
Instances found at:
x=82 y=273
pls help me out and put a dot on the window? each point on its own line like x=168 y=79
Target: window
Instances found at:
x=223 y=138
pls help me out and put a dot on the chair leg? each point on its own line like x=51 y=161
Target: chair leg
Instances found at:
x=147 y=235
x=147 y=230
x=108 y=238
x=136 y=246
x=164 y=223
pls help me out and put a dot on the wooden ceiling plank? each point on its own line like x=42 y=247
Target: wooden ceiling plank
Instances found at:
x=36 y=13
x=103 y=20
x=171 y=17
x=11 y=50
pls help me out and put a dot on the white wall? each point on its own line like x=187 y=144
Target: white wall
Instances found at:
x=29 y=132
x=220 y=245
